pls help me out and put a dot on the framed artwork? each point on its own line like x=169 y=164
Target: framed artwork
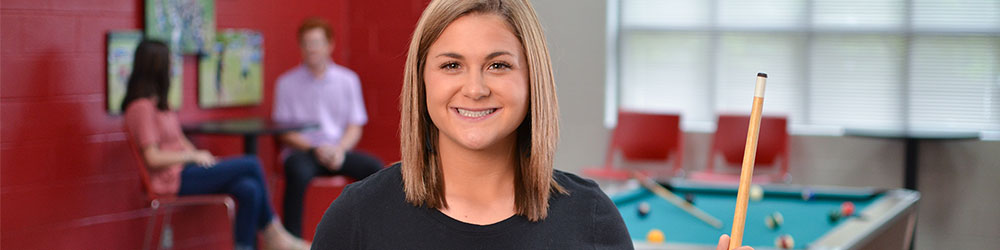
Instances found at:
x=121 y=48
x=187 y=25
x=232 y=72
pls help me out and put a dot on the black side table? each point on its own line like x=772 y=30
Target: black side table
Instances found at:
x=249 y=128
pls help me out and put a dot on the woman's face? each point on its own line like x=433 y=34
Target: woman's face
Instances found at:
x=477 y=82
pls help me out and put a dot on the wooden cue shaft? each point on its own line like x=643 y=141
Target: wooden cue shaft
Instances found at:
x=749 y=155
x=665 y=194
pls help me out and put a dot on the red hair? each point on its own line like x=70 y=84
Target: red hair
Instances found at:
x=316 y=23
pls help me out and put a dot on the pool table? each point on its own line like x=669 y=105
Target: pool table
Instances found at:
x=884 y=220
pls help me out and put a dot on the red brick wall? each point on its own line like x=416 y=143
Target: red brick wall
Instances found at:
x=67 y=179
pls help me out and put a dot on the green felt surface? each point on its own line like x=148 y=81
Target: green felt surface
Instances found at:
x=805 y=221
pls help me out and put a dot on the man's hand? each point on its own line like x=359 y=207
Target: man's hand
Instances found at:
x=338 y=158
x=322 y=154
x=330 y=157
x=724 y=244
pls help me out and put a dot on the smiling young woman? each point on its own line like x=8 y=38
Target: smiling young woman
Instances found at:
x=479 y=126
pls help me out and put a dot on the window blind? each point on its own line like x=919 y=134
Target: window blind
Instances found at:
x=896 y=65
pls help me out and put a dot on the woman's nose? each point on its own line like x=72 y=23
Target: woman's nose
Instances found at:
x=475 y=86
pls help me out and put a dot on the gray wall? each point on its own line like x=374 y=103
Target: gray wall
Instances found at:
x=575 y=32
x=959 y=180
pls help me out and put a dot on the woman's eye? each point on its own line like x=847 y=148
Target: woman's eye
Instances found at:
x=498 y=65
x=450 y=66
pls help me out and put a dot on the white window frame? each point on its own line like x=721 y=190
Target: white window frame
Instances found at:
x=615 y=31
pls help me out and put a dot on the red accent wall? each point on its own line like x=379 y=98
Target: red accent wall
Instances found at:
x=67 y=179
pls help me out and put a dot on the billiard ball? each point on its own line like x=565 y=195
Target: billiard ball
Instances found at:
x=784 y=241
x=834 y=216
x=847 y=208
x=807 y=194
x=774 y=220
x=689 y=198
x=655 y=236
x=756 y=193
x=643 y=209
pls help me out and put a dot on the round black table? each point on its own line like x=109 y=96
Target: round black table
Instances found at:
x=911 y=151
x=249 y=128
x=912 y=141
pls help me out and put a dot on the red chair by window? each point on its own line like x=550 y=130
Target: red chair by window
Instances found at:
x=645 y=138
x=729 y=142
x=204 y=211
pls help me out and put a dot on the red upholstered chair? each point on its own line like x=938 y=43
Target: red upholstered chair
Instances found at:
x=320 y=194
x=322 y=191
x=645 y=138
x=729 y=142
x=207 y=220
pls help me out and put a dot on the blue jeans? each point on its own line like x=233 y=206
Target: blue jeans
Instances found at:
x=242 y=178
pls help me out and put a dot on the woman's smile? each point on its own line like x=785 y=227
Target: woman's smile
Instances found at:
x=475 y=114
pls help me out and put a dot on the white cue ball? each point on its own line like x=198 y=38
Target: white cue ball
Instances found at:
x=756 y=193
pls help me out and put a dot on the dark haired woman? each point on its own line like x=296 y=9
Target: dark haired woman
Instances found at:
x=176 y=167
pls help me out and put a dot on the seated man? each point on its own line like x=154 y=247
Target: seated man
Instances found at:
x=322 y=92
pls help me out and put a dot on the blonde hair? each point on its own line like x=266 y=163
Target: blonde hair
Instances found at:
x=423 y=180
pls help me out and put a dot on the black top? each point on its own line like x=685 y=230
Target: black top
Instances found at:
x=373 y=214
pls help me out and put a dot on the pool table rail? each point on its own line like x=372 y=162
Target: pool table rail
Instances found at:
x=892 y=217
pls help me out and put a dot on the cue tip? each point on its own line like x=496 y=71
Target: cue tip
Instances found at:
x=762 y=74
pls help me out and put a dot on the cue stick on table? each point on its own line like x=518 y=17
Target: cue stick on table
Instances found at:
x=676 y=200
x=749 y=155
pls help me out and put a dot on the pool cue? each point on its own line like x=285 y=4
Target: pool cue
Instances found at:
x=749 y=155
x=676 y=200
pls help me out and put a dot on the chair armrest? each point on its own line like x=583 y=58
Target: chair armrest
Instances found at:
x=197 y=200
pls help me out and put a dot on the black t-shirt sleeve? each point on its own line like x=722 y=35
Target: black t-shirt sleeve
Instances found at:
x=338 y=228
x=610 y=231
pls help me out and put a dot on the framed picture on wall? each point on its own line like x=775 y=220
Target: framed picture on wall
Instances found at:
x=232 y=72
x=121 y=48
x=187 y=25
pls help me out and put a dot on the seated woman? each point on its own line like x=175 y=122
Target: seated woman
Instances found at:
x=176 y=167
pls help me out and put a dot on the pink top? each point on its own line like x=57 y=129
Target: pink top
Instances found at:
x=151 y=127
x=332 y=100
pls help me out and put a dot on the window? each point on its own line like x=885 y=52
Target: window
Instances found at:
x=892 y=65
